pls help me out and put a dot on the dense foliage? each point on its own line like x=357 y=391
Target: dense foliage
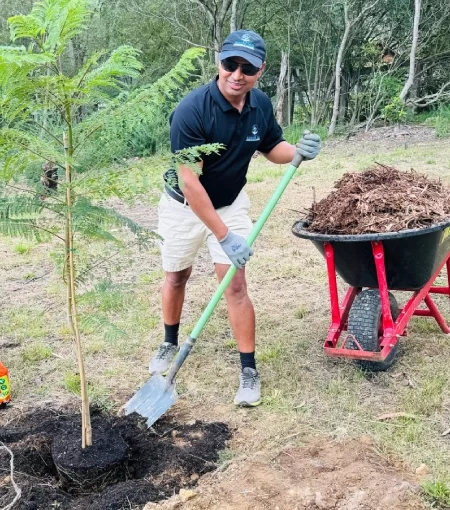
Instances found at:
x=303 y=38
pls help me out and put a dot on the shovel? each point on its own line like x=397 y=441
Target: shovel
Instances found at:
x=158 y=394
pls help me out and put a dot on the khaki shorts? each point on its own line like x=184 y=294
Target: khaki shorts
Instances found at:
x=183 y=233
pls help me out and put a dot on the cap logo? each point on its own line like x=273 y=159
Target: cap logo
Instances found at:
x=246 y=41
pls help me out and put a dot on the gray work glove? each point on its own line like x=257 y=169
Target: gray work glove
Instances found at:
x=236 y=249
x=309 y=145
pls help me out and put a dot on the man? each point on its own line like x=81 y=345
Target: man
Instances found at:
x=213 y=207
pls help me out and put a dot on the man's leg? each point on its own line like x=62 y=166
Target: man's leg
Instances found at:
x=242 y=319
x=240 y=309
x=173 y=291
x=182 y=234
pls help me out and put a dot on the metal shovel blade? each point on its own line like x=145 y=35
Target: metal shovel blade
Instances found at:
x=152 y=400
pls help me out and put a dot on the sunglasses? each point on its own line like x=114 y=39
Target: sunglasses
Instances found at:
x=231 y=65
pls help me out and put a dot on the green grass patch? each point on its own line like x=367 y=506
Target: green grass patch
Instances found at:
x=225 y=456
x=437 y=493
x=269 y=354
x=265 y=172
x=429 y=397
x=231 y=344
x=23 y=247
x=440 y=120
x=24 y=322
x=36 y=352
x=152 y=277
x=72 y=383
x=301 y=312
x=423 y=325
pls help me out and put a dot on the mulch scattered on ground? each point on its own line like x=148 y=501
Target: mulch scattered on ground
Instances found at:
x=161 y=460
x=380 y=199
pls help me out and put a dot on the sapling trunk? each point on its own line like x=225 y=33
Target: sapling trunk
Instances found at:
x=86 y=432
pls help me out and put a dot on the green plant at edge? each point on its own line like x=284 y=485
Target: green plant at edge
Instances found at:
x=40 y=125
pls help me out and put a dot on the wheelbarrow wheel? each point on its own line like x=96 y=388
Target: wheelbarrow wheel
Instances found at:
x=364 y=324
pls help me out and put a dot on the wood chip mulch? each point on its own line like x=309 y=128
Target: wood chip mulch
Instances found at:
x=380 y=199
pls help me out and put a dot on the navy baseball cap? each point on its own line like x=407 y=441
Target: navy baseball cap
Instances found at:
x=246 y=44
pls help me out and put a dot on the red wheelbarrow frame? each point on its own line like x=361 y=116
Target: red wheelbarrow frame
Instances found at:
x=390 y=330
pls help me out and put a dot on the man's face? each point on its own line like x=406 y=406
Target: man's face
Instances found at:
x=236 y=84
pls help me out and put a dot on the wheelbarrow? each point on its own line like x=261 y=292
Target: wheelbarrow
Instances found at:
x=373 y=265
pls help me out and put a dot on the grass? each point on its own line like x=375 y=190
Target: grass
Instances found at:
x=226 y=456
x=23 y=247
x=36 y=352
x=23 y=322
x=303 y=392
x=437 y=493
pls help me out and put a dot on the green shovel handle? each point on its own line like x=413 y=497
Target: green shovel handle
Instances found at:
x=187 y=346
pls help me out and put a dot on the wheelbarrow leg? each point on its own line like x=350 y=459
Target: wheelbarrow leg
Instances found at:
x=448 y=275
x=386 y=316
x=339 y=314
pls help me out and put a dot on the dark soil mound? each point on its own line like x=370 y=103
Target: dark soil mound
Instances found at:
x=90 y=469
x=381 y=199
x=160 y=461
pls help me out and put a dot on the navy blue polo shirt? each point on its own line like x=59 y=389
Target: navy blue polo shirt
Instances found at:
x=205 y=116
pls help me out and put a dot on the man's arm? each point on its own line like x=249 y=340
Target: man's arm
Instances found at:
x=282 y=153
x=200 y=203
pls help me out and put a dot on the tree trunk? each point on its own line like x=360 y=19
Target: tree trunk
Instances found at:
x=233 y=23
x=412 y=56
x=343 y=100
x=86 y=430
x=340 y=57
x=280 y=108
x=337 y=87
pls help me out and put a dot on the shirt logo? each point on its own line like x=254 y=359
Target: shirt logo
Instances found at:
x=246 y=41
x=254 y=136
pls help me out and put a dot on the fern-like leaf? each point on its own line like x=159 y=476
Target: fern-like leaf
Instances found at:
x=100 y=324
x=122 y=62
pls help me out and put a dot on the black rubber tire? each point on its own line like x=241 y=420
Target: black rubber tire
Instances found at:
x=364 y=324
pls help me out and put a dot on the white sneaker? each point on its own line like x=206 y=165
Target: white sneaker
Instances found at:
x=163 y=358
x=249 y=392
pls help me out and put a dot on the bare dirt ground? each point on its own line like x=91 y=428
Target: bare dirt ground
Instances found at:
x=326 y=476
x=317 y=441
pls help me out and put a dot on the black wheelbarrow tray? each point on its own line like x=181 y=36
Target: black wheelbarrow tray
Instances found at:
x=373 y=265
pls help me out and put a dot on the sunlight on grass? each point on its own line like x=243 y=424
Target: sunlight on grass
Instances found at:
x=275 y=400
x=263 y=173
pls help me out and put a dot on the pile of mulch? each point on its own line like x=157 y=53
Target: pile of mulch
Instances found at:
x=380 y=199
